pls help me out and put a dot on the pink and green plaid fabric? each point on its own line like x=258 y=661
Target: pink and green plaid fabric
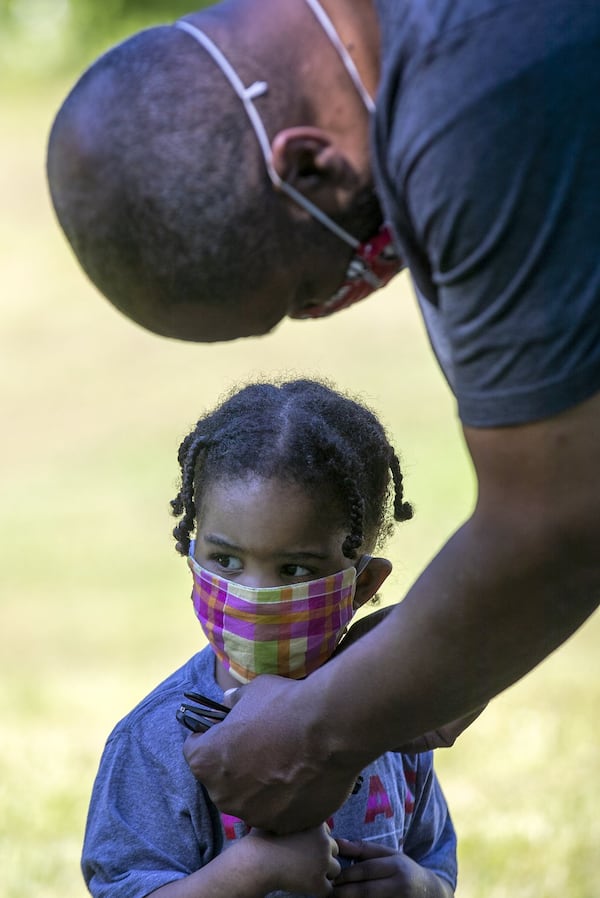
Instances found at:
x=289 y=631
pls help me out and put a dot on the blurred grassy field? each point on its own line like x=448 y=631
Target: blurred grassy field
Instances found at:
x=94 y=603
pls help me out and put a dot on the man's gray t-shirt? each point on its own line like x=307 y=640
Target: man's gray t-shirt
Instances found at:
x=487 y=163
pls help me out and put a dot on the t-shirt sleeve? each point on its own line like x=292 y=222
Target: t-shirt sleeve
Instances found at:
x=149 y=821
x=430 y=839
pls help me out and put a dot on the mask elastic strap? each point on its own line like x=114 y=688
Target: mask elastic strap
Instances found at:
x=247 y=95
x=362 y=564
x=331 y=32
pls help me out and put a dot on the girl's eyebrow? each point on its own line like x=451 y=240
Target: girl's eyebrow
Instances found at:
x=215 y=540
x=320 y=556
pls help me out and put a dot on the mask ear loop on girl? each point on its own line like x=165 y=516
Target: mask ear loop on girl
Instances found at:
x=362 y=564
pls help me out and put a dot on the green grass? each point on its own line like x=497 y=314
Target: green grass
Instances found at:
x=94 y=603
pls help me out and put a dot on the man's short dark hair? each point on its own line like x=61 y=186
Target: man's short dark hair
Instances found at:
x=158 y=181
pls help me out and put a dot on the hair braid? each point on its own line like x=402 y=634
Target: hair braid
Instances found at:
x=342 y=470
x=177 y=504
x=357 y=514
x=403 y=511
x=303 y=432
x=183 y=503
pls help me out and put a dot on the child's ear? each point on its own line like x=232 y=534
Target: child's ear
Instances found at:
x=370 y=579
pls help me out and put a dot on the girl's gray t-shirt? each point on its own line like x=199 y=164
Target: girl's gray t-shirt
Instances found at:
x=150 y=822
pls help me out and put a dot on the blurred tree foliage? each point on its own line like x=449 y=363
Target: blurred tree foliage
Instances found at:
x=57 y=36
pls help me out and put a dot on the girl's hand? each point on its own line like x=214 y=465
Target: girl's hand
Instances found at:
x=381 y=872
x=262 y=863
x=303 y=862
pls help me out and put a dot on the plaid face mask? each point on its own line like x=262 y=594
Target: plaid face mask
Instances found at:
x=285 y=630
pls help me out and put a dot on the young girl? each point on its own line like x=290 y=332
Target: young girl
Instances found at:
x=287 y=489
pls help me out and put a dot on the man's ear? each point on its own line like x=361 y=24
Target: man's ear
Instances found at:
x=370 y=580
x=306 y=158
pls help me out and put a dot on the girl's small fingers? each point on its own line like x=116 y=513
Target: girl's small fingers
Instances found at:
x=333 y=869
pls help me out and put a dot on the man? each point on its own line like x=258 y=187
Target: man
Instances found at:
x=216 y=176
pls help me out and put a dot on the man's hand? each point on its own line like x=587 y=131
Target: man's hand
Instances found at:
x=269 y=729
x=267 y=756
x=380 y=872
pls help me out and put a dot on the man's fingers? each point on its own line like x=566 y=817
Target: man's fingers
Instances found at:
x=362 y=850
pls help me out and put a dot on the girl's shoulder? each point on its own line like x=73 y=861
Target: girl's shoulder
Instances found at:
x=154 y=717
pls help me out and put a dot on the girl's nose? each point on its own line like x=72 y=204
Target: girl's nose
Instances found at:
x=257 y=579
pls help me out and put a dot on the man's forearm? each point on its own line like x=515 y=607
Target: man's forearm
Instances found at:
x=489 y=607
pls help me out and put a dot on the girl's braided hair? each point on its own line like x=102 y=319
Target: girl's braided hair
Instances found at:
x=306 y=433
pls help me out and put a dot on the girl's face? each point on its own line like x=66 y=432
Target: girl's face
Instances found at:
x=268 y=532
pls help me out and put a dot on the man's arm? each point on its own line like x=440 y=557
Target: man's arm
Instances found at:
x=441 y=737
x=509 y=587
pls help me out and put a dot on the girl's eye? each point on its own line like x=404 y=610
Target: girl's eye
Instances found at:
x=227 y=562
x=295 y=570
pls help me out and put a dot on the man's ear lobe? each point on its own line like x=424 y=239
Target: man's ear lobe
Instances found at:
x=370 y=580
x=307 y=159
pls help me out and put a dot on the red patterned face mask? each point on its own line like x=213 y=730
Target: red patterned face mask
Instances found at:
x=374 y=263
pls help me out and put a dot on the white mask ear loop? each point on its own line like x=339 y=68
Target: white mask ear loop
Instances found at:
x=362 y=564
x=247 y=95
x=330 y=30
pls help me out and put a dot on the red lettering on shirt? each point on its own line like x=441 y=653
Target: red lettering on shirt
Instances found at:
x=378 y=801
x=411 y=782
x=233 y=827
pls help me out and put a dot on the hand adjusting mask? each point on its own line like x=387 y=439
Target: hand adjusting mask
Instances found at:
x=374 y=262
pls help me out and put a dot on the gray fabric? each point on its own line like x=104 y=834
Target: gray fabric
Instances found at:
x=150 y=822
x=487 y=162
